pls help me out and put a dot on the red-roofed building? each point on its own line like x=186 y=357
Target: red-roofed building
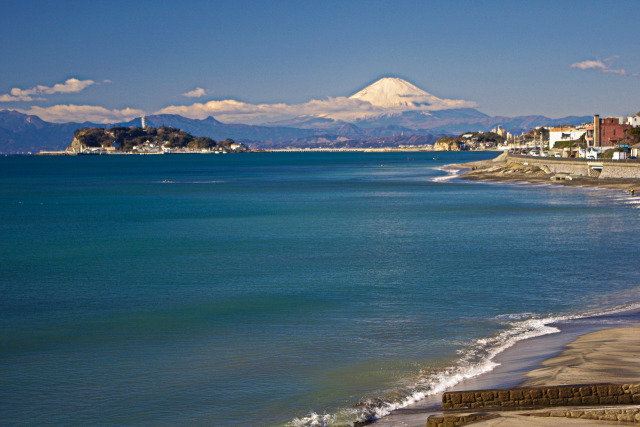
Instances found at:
x=608 y=132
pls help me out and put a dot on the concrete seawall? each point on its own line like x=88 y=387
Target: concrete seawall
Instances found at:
x=600 y=168
x=604 y=394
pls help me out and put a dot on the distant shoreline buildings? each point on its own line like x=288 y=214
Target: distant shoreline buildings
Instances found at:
x=589 y=139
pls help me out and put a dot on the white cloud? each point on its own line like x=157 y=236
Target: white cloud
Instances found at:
x=589 y=65
x=340 y=108
x=620 y=72
x=82 y=113
x=196 y=93
x=72 y=85
x=598 y=65
x=11 y=98
x=232 y=111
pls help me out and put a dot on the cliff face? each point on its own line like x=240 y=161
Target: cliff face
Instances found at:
x=75 y=146
x=446 y=145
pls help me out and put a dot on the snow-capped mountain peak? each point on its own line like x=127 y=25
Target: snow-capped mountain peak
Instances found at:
x=390 y=92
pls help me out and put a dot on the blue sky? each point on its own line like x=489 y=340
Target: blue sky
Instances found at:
x=510 y=58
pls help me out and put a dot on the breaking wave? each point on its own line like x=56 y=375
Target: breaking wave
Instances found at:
x=452 y=173
x=476 y=359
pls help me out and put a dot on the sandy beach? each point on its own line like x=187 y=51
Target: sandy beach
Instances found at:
x=610 y=355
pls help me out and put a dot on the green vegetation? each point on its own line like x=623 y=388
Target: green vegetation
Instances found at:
x=535 y=133
x=608 y=154
x=138 y=139
x=634 y=134
x=472 y=139
x=569 y=144
x=93 y=137
x=448 y=139
x=488 y=137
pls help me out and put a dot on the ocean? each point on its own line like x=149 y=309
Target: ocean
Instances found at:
x=283 y=288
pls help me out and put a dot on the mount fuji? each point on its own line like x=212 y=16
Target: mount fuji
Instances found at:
x=395 y=93
x=385 y=103
x=393 y=106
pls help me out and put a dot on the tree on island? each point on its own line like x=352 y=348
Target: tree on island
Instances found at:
x=137 y=139
x=467 y=139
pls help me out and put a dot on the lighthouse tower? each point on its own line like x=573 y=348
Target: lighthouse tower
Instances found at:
x=144 y=121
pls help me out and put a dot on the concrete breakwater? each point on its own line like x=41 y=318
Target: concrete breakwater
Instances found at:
x=602 y=394
x=599 y=168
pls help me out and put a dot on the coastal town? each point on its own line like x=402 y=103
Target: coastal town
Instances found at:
x=615 y=138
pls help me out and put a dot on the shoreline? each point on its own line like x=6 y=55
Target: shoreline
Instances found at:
x=255 y=150
x=535 y=361
x=499 y=170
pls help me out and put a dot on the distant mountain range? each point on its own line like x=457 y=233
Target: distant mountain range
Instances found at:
x=412 y=112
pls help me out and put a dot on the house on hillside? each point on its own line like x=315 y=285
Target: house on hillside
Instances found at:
x=565 y=134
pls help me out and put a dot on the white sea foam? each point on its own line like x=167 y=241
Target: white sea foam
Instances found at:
x=473 y=361
x=313 y=420
x=452 y=173
x=476 y=359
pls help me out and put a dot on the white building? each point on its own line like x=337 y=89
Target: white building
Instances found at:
x=565 y=133
x=500 y=131
x=634 y=120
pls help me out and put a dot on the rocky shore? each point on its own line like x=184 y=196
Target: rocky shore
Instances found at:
x=501 y=169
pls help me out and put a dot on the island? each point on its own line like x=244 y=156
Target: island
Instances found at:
x=147 y=140
x=469 y=141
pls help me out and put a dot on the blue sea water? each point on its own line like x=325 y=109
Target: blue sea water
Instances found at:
x=281 y=288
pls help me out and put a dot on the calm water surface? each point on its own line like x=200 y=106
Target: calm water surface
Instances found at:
x=270 y=288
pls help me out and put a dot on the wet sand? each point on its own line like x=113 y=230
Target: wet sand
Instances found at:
x=608 y=356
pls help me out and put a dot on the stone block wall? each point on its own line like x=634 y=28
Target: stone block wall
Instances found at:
x=619 y=415
x=610 y=168
x=603 y=394
x=554 y=166
x=622 y=170
x=455 y=420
